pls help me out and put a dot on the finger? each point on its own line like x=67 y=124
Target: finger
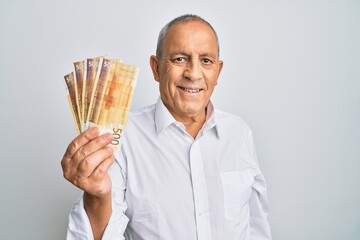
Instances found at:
x=81 y=140
x=91 y=147
x=90 y=163
x=103 y=168
x=66 y=162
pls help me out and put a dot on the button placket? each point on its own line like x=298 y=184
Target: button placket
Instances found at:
x=201 y=202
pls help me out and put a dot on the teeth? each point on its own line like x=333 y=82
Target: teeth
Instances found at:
x=190 y=90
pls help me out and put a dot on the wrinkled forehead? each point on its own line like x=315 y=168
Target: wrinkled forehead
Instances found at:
x=190 y=36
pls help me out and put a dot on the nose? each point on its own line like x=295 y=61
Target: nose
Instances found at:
x=193 y=70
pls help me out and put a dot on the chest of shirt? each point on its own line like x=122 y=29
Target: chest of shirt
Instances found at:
x=166 y=176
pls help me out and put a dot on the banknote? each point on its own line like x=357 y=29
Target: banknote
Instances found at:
x=100 y=93
x=98 y=98
x=118 y=96
x=80 y=74
x=121 y=93
x=73 y=99
x=92 y=72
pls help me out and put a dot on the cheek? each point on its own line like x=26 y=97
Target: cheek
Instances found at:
x=211 y=85
x=169 y=78
x=211 y=80
x=167 y=88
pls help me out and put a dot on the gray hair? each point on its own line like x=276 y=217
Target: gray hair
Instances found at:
x=181 y=19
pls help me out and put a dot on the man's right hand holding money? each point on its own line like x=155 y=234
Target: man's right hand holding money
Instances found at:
x=85 y=164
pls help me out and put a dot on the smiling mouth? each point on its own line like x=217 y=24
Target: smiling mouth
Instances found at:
x=196 y=90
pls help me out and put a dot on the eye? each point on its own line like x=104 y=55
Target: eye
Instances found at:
x=179 y=59
x=206 y=61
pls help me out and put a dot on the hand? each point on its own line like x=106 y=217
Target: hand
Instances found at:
x=87 y=160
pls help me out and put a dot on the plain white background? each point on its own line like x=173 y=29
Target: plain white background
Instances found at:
x=292 y=72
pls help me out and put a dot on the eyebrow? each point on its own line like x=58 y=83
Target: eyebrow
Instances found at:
x=207 y=55
x=187 y=55
x=179 y=53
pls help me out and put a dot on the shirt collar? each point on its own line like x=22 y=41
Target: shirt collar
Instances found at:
x=163 y=118
x=211 y=119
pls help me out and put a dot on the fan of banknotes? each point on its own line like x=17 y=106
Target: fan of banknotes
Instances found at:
x=100 y=92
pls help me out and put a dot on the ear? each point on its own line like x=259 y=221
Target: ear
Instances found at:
x=154 y=64
x=221 y=63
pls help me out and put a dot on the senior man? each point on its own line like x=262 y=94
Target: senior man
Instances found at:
x=184 y=170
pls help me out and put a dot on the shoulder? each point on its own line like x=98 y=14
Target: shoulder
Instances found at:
x=231 y=122
x=142 y=115
x=140 y=122
x=143 y=111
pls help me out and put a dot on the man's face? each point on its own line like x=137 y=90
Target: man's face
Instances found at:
x=188 y=70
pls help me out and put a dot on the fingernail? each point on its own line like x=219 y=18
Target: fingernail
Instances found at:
x=110 y=148
x=108 y=136
x=94 y=130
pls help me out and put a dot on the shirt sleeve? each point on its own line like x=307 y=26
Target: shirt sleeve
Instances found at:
x=79 y=227
x=259 y=225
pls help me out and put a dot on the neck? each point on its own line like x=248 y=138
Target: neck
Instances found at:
x=192 y=123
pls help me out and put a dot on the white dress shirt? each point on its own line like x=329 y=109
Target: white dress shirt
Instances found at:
x=169 y=186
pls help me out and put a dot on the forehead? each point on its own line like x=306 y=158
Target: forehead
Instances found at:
x=192 y=36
